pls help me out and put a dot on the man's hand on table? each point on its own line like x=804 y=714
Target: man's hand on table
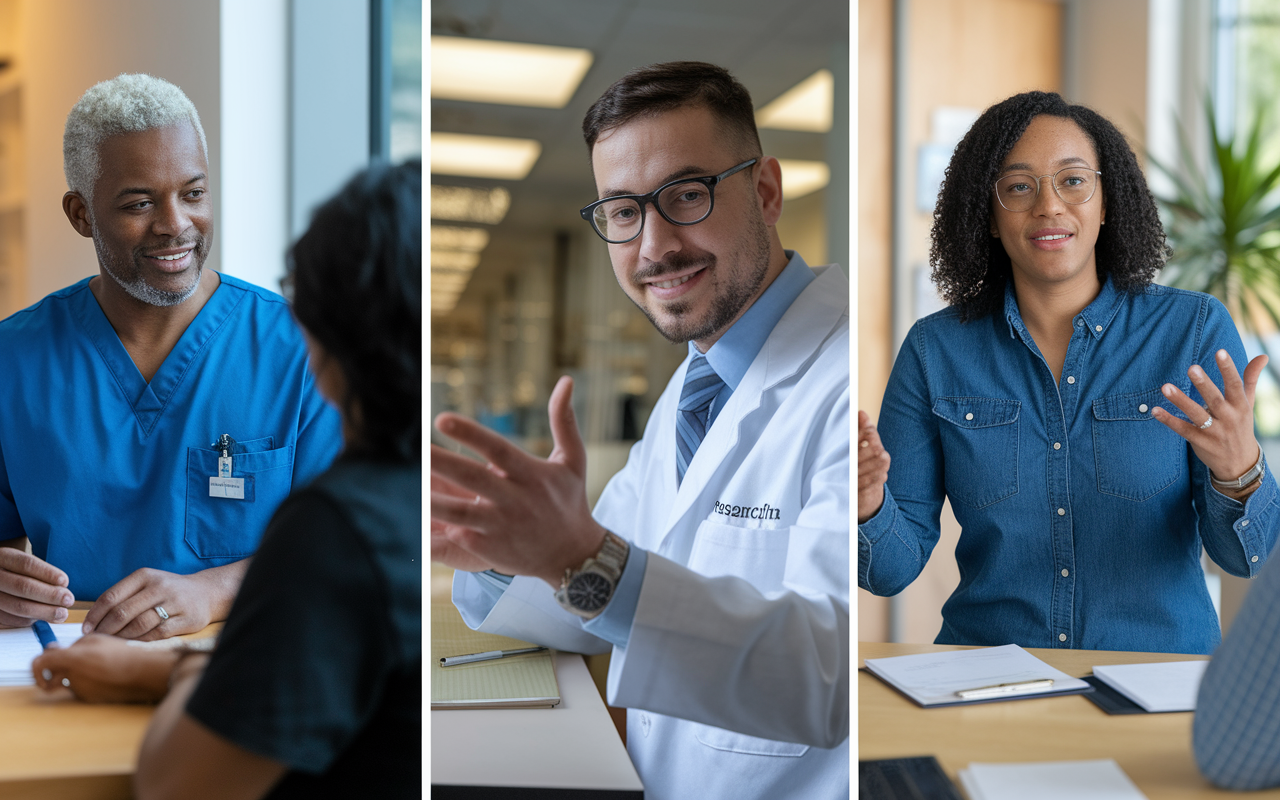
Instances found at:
x=31 y=589
x=128 y=609
x=106 y=669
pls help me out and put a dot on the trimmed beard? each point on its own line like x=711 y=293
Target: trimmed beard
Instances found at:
x=137 y=287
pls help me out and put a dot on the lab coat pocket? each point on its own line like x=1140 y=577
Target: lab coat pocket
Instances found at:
x=1134 y=454
x=979 y=448
x=730 y=742
x=230 y=528
x=757 y=555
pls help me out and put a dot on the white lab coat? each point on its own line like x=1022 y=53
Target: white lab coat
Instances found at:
x=736 y=673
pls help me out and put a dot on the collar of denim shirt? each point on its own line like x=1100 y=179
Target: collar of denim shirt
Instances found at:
x=1094 y=318
x=733 y=352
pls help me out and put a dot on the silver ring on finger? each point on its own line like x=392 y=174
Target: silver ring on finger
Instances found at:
x=1207 y=424
x=164 y=615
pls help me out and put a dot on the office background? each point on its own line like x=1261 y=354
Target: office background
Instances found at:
x=928 y=67
x=294 y=96
x=522 y=289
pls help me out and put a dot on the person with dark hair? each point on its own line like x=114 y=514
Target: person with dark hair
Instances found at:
x=715 y=563
x=1052 y=404
x=314 y=688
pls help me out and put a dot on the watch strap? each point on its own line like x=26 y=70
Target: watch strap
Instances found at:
x=1254 y=474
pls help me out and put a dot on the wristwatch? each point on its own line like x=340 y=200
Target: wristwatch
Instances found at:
x=1254 y=473
x=586 y=590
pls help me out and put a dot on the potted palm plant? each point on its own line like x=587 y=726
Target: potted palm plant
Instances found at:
x=1223 y=225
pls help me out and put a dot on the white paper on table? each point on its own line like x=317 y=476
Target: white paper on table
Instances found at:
x=1049 y=780
x=1165 y=686
x=19 y=647
x=934 y=678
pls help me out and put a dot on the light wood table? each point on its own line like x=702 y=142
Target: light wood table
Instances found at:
x=570 y=751
x=1153 y=749
x=54 y=747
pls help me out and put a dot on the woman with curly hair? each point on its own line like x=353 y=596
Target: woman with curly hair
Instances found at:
x=1088 y=426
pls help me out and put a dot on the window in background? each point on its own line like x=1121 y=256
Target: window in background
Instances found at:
x=396 y=77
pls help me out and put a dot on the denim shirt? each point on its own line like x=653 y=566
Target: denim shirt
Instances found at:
x=1082 y=516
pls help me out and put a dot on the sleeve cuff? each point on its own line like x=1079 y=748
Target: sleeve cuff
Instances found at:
x=614 y=623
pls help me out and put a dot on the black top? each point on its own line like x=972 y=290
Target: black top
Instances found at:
x=320 y=663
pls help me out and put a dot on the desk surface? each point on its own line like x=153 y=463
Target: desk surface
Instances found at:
x=1153 y=749
x=571 y=746
x=53 y=747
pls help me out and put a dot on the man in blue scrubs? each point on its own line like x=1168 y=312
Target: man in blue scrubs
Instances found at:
x=155 y=414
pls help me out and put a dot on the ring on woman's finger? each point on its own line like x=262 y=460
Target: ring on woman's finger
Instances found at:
x=66 y=682
x=164 y=615
x=1207 y=424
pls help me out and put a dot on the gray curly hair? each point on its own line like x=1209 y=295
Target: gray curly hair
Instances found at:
x=124 y=104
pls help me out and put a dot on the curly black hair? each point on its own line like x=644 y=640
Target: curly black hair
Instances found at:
x=355 y=278
x=971 y=267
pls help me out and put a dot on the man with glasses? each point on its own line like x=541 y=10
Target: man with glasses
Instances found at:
x=716 y=564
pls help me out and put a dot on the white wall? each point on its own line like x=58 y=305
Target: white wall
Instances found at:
x=253 y=212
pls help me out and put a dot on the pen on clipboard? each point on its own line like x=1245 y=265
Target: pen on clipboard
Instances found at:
x=45 y=634
x=470 y=658
x=1000 y=689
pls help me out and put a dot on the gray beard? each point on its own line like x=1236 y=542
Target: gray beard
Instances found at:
x=139 y=289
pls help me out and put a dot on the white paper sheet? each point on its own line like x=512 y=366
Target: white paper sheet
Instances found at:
x=1049 y=780
x=19 y=647
x=1167 y=686
x=934 y=678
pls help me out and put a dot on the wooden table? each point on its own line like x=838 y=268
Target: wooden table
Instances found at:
x=570 y=751
x=1153 y=749
x=54 y=747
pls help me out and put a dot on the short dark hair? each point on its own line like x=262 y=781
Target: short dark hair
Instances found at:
x=356 y=281
x=658 y=88
x=971 y=267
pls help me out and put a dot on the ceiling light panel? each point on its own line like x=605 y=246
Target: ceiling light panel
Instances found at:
x=453 y=237
x=804 y=107
x=498 y=157
x=465 y=204
x=800 y=178
x=510 y=73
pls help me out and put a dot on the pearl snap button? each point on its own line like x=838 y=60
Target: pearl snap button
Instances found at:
x=1065 y=573
x=1244 y=523
x=1057 y=445
x=1098 y=328
x=1062 y=637
x=1062 y=512
x=968 y=416
x=1142 y=409
x=1071 y=379
x=1254 y=559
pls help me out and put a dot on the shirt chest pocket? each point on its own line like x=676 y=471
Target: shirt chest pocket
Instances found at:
x=1134 y=454
x=757 y=555
x=226 y=527
x=979 y=448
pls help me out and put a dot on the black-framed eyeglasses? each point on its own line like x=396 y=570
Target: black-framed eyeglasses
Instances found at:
x=1075 y=185
x=684 y=201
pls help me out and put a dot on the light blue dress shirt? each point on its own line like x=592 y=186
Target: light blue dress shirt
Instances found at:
x=106 y=473
x=730 y=357
x=1082 y=516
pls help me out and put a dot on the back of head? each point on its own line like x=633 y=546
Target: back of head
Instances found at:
x=356 y=278
x=658 y=88
x=124 y=104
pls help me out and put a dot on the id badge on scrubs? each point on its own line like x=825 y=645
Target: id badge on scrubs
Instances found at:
x=222 y=484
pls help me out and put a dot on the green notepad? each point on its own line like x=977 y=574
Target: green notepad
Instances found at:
x=526 y=681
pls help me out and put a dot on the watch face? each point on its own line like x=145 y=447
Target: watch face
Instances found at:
x=589 y=591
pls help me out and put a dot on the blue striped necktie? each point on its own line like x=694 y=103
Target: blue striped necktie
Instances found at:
x=701 y=385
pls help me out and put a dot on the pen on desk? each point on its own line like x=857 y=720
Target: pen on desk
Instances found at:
x=453 y=661
x=44 y=633
x=1017 y=687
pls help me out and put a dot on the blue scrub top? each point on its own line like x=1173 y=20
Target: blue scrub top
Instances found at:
x=105 y=473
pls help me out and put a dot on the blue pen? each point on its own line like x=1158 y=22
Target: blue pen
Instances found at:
x=44 y=633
